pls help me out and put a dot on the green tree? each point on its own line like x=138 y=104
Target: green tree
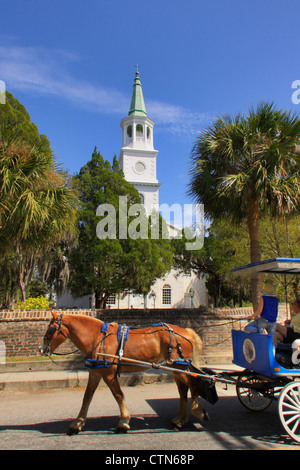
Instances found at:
x=9 y=285
x=103 y=266
x=224 y=247
x=227 y=246
x=15 y=122
x=243 y=166
x=281 y=238
x=37 y=208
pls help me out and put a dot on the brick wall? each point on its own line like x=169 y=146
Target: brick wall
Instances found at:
x=22 y=331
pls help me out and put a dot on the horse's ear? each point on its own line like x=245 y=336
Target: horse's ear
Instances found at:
x=55 y=315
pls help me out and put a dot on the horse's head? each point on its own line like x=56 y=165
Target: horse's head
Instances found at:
x=55 y=335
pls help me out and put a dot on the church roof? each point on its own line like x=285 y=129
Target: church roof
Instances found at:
x=137 y=106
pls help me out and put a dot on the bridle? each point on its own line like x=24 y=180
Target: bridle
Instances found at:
x=54 y=326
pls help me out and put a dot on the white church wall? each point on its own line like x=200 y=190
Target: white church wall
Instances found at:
x=180 y=294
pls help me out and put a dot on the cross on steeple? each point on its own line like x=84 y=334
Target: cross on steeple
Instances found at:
x=137 y=69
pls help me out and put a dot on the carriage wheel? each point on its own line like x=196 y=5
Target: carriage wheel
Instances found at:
x=252 y=394
x=289 y=409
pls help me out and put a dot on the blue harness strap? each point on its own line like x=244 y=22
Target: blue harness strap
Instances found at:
x=104 y=327
x=99 y=363
x=96 y=363
x=182 y=362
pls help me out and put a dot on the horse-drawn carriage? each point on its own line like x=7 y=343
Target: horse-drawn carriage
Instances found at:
x=110 y=349
x=269 y=374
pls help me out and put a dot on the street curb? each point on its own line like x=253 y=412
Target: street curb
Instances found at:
x=78 y=364
x=71 y=379
x=48 y=376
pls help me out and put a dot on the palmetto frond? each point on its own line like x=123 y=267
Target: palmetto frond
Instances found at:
x=255 y=157
x=33 y=194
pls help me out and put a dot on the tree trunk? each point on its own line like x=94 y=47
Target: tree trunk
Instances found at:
x=26 y=267
x=255 y=250
x=100 y=301
x=240 y=297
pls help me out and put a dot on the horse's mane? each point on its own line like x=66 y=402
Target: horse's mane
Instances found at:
x=86 y=318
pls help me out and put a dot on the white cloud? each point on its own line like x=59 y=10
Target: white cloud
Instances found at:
x=177 y=119
x=44 y=71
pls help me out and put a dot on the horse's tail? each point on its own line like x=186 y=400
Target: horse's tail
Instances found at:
x=197 y=347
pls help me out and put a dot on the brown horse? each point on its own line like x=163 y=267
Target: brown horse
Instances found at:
x=154 y=344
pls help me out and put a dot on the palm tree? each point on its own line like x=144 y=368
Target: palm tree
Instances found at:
x=242 y=166
x=36 y=206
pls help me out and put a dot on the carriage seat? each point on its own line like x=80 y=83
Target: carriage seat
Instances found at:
x=283 y=354
x=284 y=346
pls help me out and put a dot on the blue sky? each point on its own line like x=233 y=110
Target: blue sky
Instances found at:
x=72 y=64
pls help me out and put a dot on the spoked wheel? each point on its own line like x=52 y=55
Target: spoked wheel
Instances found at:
x=289 y=409
x=254 y=392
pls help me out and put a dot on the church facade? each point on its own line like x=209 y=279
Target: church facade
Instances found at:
x=138 y=162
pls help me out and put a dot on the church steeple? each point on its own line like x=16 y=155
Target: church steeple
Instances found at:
x=137 y=106
x=138 y=156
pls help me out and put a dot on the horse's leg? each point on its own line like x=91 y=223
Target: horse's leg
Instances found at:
x=77 y=425
x=196 y=407
x=182 y=417
x=114 y=386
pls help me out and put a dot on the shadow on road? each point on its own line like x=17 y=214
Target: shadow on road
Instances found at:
x=102 y=424
x=228 y=419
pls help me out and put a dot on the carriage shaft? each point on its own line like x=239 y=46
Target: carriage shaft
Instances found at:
x=153 y=365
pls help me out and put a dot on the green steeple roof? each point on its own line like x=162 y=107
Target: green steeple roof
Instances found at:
x=137 y=106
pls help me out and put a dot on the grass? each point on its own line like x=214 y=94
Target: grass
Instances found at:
x=39 y=358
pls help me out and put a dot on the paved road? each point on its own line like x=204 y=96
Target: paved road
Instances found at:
x=39 y=420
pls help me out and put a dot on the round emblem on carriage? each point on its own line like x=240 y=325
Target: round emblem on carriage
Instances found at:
x=249 y=351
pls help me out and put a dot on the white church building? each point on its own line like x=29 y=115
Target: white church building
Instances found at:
x=138 y=162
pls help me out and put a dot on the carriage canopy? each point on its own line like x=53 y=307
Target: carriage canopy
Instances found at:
x=274 y=265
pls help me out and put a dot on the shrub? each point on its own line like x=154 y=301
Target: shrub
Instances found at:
x=37 y=303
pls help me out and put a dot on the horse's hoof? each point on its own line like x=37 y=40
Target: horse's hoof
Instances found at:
x=121 y=431
x=76 y=426
x=72 y=431
x=174 y=427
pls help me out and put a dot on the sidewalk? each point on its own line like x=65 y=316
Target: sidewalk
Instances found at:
x=45 y=380
x=52 y=379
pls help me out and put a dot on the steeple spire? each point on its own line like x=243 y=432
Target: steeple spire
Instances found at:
x=137 y=106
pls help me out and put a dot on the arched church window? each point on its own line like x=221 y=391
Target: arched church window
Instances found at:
x=148 y=133
x=129 y=131
x=166 y=294
x=139 y=130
